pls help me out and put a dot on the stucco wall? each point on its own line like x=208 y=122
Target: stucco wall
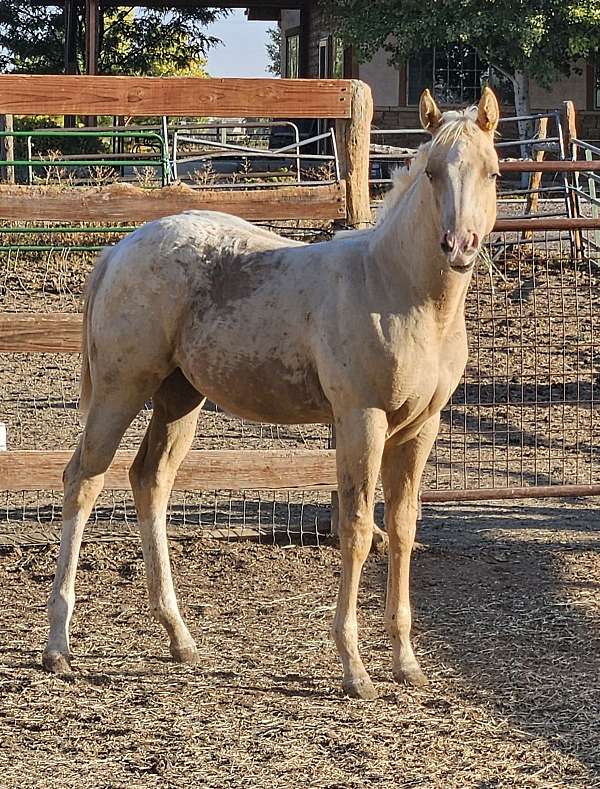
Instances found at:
x=573 y=88
x=383 y=79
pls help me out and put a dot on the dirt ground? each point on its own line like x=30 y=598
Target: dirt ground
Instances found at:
x=507 y=626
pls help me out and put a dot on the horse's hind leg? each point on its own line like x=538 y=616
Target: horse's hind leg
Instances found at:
x=83 y=480
x=167 y=440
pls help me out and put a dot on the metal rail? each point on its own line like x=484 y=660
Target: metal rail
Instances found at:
x=230 y=150
x=101 y=160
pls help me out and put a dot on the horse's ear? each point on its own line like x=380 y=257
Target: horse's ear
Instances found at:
x=431 y=117
x=488 y=111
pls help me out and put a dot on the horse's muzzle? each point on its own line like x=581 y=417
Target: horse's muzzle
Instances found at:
x=461 y=249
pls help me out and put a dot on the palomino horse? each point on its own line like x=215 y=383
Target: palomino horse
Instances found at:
x=366 y=331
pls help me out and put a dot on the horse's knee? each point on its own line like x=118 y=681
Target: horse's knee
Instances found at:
x=356 y=534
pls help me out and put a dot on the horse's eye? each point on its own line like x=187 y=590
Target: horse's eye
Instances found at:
x=429 y=174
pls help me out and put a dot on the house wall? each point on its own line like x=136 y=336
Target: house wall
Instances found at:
x=383 y=79
x=319 y=28
x=573 y=88
x=389 y=86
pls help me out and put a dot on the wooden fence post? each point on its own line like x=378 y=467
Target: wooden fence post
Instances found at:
x=353 y=138
x=535 y=179
x=570 y=133
x=7 y=150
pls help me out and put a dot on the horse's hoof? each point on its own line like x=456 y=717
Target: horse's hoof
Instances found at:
x=56 y=662
x=187 y=654
x=360 y=689
x=412 y=675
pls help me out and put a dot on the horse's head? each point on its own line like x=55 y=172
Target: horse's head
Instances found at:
x=462 y=167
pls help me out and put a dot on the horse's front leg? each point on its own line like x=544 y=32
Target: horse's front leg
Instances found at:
x=360 y=442
x=401 y=470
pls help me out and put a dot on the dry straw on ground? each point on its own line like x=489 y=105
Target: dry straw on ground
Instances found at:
x=507 y=627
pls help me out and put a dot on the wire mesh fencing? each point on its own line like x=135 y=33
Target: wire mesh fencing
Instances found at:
x=524 y=414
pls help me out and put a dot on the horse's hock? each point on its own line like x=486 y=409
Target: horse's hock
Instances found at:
x=522 y=421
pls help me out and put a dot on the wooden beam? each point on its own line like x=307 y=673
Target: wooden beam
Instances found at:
x=264 y=14
x=24 y=94
x=7 y=149
x=280 y=4
x=53 y=332
x=70 y=56
x=304 y=39
x=126 y=203
x=535 y=179
x=201 y=470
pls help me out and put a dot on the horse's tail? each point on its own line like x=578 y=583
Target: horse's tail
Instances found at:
x=85 y=378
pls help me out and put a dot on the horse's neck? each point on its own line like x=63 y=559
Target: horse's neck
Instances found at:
x=406 y=249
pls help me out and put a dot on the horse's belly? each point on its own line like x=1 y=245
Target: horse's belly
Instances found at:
x=265 y=391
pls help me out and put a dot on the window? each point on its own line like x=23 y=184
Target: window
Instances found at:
x=331 y=58
x=324 y=58
x=596 y=86
x=292 y=46
x=337 y=58
x=455 y=75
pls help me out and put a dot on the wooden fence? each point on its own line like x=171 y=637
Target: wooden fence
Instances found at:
x=347 y=102
x=234 y=470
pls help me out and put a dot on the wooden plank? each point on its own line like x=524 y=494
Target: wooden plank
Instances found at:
x=525 y=492
x=201 y=470
x=126 y=203
x=22 y=332
x=25 y=94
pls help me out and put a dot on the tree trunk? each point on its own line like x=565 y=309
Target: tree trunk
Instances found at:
x=7 y=150
x=520 y=83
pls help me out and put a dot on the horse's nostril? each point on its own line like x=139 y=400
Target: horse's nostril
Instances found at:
x=475 y=241
x=447 y=243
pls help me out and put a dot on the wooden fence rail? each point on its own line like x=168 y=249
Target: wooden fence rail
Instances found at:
x=214 y=469
x=126 y=203
x=347 y=102
x=29 y=94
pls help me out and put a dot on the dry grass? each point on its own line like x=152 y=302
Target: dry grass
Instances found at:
x=507 y=627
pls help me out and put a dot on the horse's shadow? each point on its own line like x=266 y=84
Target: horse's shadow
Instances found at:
x=496 y=606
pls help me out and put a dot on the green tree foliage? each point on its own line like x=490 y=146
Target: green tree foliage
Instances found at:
x=273 y=46
x=523 y=39
x=140 y=41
